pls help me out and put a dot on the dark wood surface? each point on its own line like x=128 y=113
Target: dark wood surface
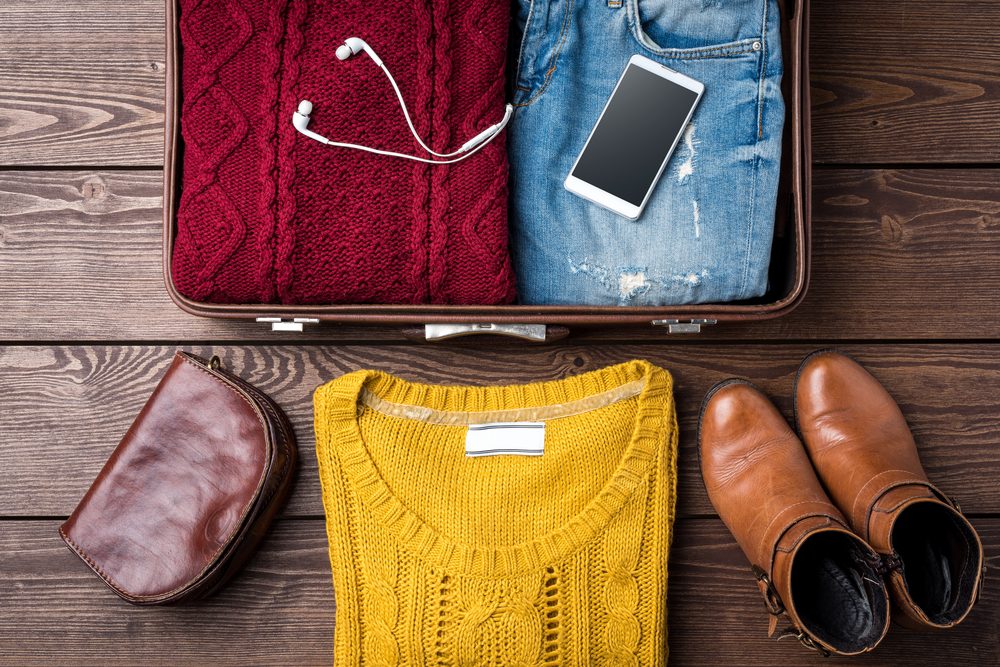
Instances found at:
x=911 y=253
x=280 y=609
x=906 y=277
x=65 y=407
x=81 y=82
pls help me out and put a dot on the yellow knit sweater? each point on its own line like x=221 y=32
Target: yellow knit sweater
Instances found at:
x=440 y=558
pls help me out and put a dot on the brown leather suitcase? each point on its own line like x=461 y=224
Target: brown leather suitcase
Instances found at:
x=789 y=274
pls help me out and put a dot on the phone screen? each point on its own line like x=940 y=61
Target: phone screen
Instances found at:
x=635 y=134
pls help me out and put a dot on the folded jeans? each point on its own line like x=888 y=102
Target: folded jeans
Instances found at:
x=706 y=233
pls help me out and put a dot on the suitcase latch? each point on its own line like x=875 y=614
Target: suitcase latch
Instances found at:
x=686 y=327
x=533 y=332
x=282 y=324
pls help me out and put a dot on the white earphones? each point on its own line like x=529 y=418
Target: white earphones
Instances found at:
x=351 y=47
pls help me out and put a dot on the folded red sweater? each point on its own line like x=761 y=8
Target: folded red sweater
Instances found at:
x=267 y=215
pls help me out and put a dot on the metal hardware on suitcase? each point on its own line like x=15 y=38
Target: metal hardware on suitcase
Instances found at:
x=790 y=255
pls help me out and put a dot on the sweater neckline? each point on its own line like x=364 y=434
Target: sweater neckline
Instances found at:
x=424 y=540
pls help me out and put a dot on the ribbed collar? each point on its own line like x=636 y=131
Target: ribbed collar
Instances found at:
x=340 y=405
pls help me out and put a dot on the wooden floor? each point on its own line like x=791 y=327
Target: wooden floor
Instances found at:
x=906 y=277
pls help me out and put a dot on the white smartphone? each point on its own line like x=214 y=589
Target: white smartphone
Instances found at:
x=633 y=139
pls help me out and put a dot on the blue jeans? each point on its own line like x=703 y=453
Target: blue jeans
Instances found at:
x=705 y=235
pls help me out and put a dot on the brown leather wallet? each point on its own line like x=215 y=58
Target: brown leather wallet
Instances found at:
x=191 y=489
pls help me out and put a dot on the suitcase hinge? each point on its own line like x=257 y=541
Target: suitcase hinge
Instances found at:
x=686 y=327
x=293 y=324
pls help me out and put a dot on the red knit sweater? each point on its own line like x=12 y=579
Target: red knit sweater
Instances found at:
x=267 y=215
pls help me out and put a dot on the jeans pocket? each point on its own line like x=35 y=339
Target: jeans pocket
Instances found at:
x=699 y=29
x=543 y=26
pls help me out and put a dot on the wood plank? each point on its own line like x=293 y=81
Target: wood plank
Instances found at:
x=54 y=610
x=912 y=252
x=81 y=82
x=901 y=253
x=280 y=610
x=906 y=82
x=63 y=409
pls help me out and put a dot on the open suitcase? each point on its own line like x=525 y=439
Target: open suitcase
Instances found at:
x=789 y=270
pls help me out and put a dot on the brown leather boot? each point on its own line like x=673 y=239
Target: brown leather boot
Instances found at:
x=862 y=449
x=809 y=566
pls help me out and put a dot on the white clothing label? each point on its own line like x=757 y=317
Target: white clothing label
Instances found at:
x=517 y=438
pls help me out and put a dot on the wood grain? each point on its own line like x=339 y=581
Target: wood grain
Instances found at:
x=902 y=254
x=899 y=255
x=280 y=610
x=915 y=253
x=63 y=409
x=54 y=610
x=81 y=82
x=905 y=82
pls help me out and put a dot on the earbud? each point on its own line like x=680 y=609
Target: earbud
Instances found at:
x=355 y=45
x=352 y=46
x=300 y=121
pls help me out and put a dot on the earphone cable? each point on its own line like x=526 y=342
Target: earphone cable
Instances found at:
x=415 y=158
x=353 y=46
x=409 y=122
x=406 y=115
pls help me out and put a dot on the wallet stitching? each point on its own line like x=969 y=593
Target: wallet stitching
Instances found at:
x=194 y=581
x=215 y=557
x=241 y=387
x=267 y=407
x=78 y=550
x=233 y=387
x=263 y=402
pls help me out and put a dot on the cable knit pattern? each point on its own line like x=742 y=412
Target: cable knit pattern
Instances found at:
x=471 y=241
x=215 y=122
x=267 y=215
x=288 y=147
x=441 y=138
x=521 y=625
x=621 y=592
x=422 y=173
x=382 y=570
x=553 y=560
x=477 y=607
x=269 y=153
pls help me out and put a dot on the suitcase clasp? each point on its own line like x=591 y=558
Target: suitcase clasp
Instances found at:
x=281 y=324
x=688 y=327
x=532 y=332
